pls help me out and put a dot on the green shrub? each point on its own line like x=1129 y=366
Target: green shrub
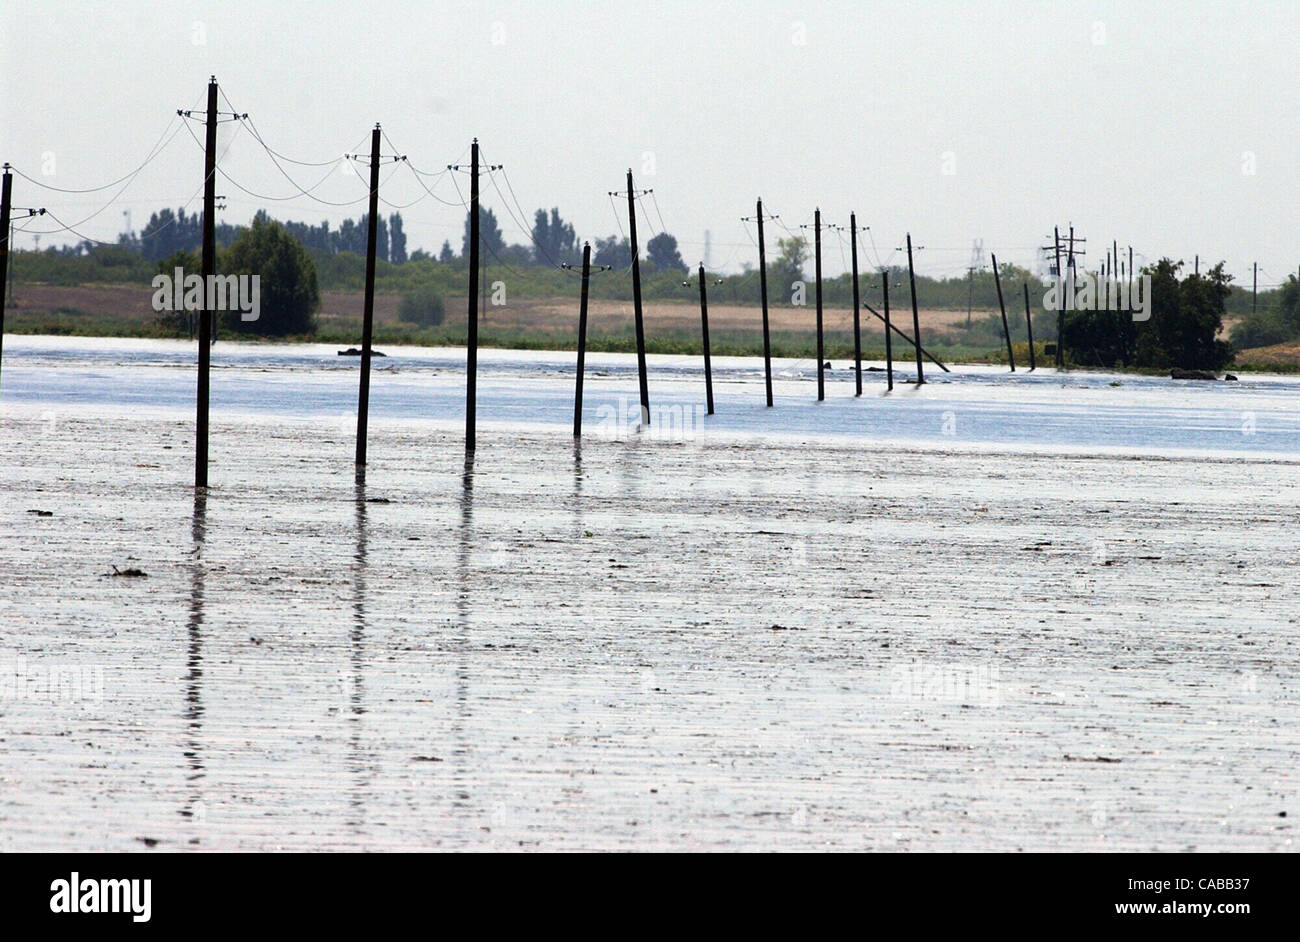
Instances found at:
x=423 y=307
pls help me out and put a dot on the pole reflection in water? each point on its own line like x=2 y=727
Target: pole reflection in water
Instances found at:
x=357 y=764
x=192 y=712
x=464 y=580
x=578 y=528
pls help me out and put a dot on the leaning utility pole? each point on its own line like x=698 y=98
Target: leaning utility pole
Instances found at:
x=209 y=268
x=1029 y=325
x=582 y=340
x=1006 y=331
x=636 y=304
x=368 y=317
x=857 y=319
x=916 y=316
x=704 y=330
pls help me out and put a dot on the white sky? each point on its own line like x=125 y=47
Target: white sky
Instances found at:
x=1135 y=121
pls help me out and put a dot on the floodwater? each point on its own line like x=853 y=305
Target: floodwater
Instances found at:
x=1037 y=612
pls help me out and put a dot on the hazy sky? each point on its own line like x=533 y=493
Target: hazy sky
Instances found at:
x=1168 y=126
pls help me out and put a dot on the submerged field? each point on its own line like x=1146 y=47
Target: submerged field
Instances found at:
x=1034 y=612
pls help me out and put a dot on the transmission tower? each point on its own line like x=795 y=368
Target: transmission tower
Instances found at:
x=976 y=263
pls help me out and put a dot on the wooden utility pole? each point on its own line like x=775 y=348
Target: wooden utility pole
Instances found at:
x=857 y=303
x=889 y=336
x=6 y=207
x=1060 y=300
x=1254 y=287
x=368 y=317
x=762 y=284
x=821 y=363
x=916 y=316
x=704 y=329
x=582 y=340
x=209 y=268
x=1029 y=325
x=1006 y=331
x=636 y=305
x=471 y=352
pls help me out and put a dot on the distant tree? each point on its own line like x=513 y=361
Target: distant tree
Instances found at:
x=554 y=240
x=289 y=292
x=1186 y=318
x=362 y=237
x=350 y=238
x=191 y=264
x=613 y=252
x=662 y=252
x=168 y=232
x=396 y=240
x=446 y=256
x=1277 y=324
x=787 y=268
x=489 y=233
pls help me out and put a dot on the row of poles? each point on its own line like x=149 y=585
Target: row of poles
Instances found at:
x=208 y=266
x=858 y=305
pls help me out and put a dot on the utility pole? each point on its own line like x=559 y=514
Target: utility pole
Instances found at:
x=1006 y=331
x=762 y=284
x=368 y=317
x=472 y=299
x=1074 y=249
x=1029 y=324
x=6 y=237
x=11 y=242
x=209 y=265
x=582 y=340
x=976 y=263
x=857 y=318
x=704 y=329
x=471 y=353
x=916 y=317
x=1060 y=301
x=821 y=363
x=1254 y=287
x=889 y=336
x=636 y=304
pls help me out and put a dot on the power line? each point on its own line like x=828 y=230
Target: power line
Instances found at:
x=158 y=147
